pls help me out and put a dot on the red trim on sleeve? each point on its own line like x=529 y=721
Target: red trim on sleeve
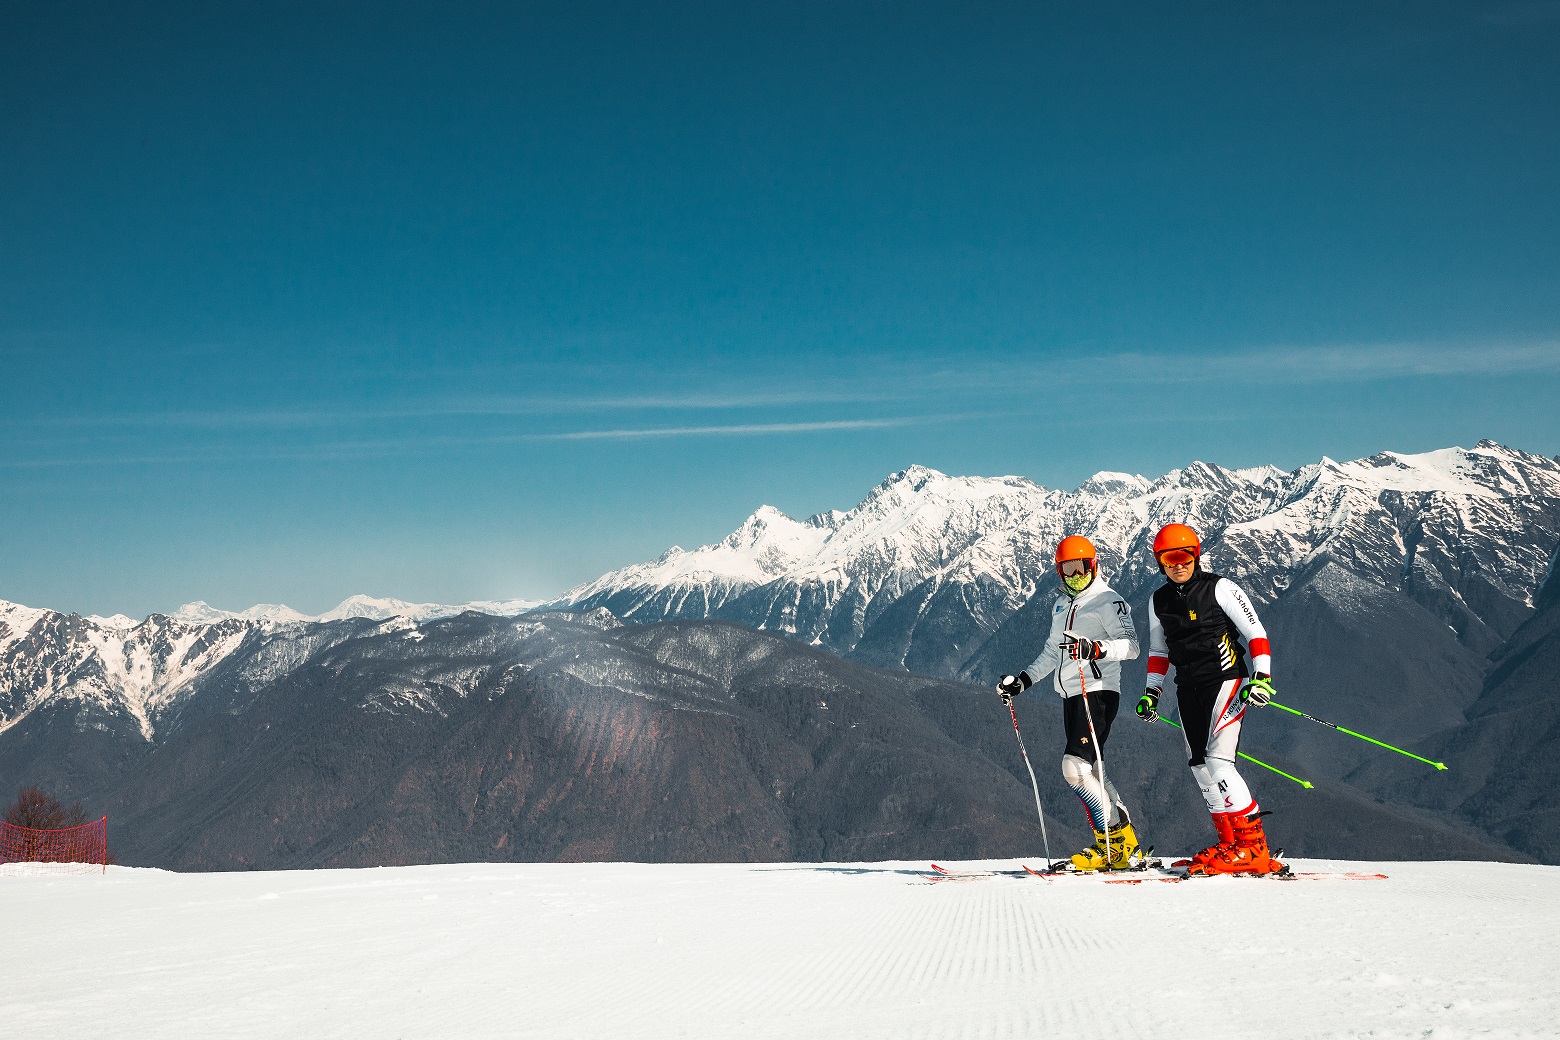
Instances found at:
x=1260 y=647
x=1158 y=665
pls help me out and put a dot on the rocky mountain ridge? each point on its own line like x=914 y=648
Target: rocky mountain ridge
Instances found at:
x=931 y=573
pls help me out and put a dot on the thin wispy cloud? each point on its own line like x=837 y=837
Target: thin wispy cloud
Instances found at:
x=740 y=429
x=714 y=399
x=766 y=406
x=414 y=444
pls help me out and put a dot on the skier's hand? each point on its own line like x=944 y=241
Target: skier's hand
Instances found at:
x=1258 y=689
x=1080 y=648
x=1011 y=686
x=1148 y=706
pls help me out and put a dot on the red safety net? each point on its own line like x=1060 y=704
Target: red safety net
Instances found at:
x=70 y=850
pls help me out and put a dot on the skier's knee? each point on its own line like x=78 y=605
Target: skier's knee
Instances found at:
x=1075 y=770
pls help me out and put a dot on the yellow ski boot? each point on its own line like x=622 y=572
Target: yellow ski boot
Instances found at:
x=1125 y=852
x=1121 y=843
x=1093 y=857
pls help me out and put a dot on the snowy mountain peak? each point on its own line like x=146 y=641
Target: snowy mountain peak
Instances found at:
x=1488 y=471
x=368 y=607
x=766 y=525
x=1106 y=482
x=198 y=611
x=115 y=622
x=915 y=476
x=956 y=557
x=201 y=612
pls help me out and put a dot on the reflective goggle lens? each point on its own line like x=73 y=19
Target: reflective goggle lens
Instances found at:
x=1177 y=557
x=1073 y=568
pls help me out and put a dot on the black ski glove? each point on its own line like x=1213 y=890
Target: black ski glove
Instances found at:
x=1013 y=685
x=1080 y=648
x=1258 y=689
x=1148 y=706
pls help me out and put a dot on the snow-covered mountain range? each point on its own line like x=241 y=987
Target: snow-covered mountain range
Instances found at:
x=929 y=569
x=950 y=576
x=371 y=607
x=119 y=667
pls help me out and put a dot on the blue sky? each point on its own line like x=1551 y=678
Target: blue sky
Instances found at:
x=303 y=300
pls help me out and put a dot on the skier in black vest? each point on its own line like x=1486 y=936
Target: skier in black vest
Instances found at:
x=1204 y=625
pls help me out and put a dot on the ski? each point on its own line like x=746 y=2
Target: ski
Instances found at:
x=1149 y=872
x=1293 y=875
x=944 y=874
x=939 y=873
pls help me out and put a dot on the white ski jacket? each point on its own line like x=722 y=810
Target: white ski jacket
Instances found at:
x=1096 y=613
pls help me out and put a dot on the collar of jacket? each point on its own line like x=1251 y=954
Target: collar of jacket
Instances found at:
x=1197 y=575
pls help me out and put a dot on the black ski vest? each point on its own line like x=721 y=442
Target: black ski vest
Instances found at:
x=1205 y=646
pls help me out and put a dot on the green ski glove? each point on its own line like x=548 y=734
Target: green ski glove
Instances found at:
x=1258 y=689
x=1148 y=706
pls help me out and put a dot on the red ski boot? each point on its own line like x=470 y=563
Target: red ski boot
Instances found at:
x=1249 y=854
x=1198 y=864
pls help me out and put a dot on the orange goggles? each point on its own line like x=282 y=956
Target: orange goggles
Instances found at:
x=1072 y=568
x=1177 y=557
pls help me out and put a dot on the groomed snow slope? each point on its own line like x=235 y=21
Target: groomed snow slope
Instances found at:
x=790 y=950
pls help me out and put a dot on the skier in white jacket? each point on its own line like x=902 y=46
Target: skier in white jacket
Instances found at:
x=1091 y=634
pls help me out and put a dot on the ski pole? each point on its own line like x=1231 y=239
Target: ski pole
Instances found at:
x=1350 y=732
x=1032 y=782
x=1099 y=757
x=1258 y=762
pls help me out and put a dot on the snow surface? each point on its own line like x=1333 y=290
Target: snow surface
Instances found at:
x=778 y=950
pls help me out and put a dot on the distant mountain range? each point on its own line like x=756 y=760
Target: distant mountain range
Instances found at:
x=351 y=607
x=1400 y=591
x=934 y=573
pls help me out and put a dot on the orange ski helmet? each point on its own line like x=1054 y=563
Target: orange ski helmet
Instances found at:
x=1075 y=563
x=1074 y=547
x=1176 y=536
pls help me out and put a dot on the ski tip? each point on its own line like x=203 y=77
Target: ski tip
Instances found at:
x=940 y=870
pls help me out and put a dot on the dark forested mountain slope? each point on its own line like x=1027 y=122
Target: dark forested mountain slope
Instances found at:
x=573 y=737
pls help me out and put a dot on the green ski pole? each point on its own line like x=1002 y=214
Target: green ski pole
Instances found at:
x=1350 y=732
x=1256 y=761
